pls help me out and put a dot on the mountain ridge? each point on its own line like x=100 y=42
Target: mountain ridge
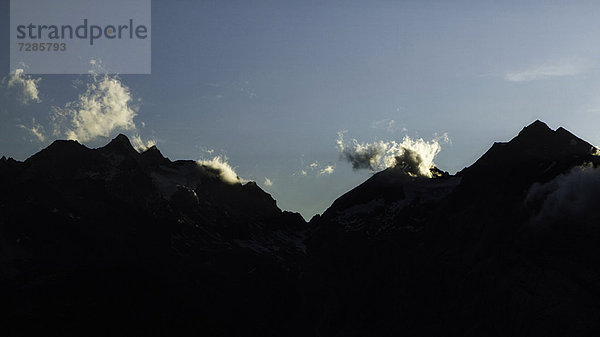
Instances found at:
x=133 y=243
x=463 y=258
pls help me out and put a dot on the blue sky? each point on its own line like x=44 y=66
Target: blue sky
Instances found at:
x=270 y=84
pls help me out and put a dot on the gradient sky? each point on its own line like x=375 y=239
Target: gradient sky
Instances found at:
x=269 y=84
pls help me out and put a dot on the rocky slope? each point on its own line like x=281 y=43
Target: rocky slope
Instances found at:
x=112 y=241
x=464 y=255
x=93 y=241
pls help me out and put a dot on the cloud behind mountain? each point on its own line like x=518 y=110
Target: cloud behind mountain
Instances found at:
x=415 y=156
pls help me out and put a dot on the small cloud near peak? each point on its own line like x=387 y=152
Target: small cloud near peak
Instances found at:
x=415 y=156
x=220 y=164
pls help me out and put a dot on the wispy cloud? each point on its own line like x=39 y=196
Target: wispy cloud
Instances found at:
x=570 y=197
x=388 y=125
x=141 y=145
x=223 y=169
x=36 y=130
x=414 y=156
x=546 y=71
x=28 y=86
x=315 y=169
x=327 y=170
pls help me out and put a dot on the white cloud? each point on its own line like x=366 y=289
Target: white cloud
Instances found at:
x=387 y=124
x=570 y=197
x=26 y=84
x=225 y=171
x=206 y=150
x=104 y=107
x=547 y=71
x=315 y=169
x=327 y=170
x=36 y=130
x=141 y=145
x=415 y=156
x=268 y=182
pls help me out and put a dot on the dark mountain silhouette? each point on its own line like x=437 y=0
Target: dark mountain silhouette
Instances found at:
x=538 y=153
x=110 y=241
x=458 y=255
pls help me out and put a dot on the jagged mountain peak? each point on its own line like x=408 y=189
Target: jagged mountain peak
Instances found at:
x=252 y=188
x=535 y=129
x=537 y=142
x=152 y=148
x=540 y=135
x=251 y=184
x=153 y=156
x=121 y=138
x=545 y=143
x=120 y=145
x=537 y=153
x=7 y=163
x=64 y=144
x=566 y=133
x=61 y=151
